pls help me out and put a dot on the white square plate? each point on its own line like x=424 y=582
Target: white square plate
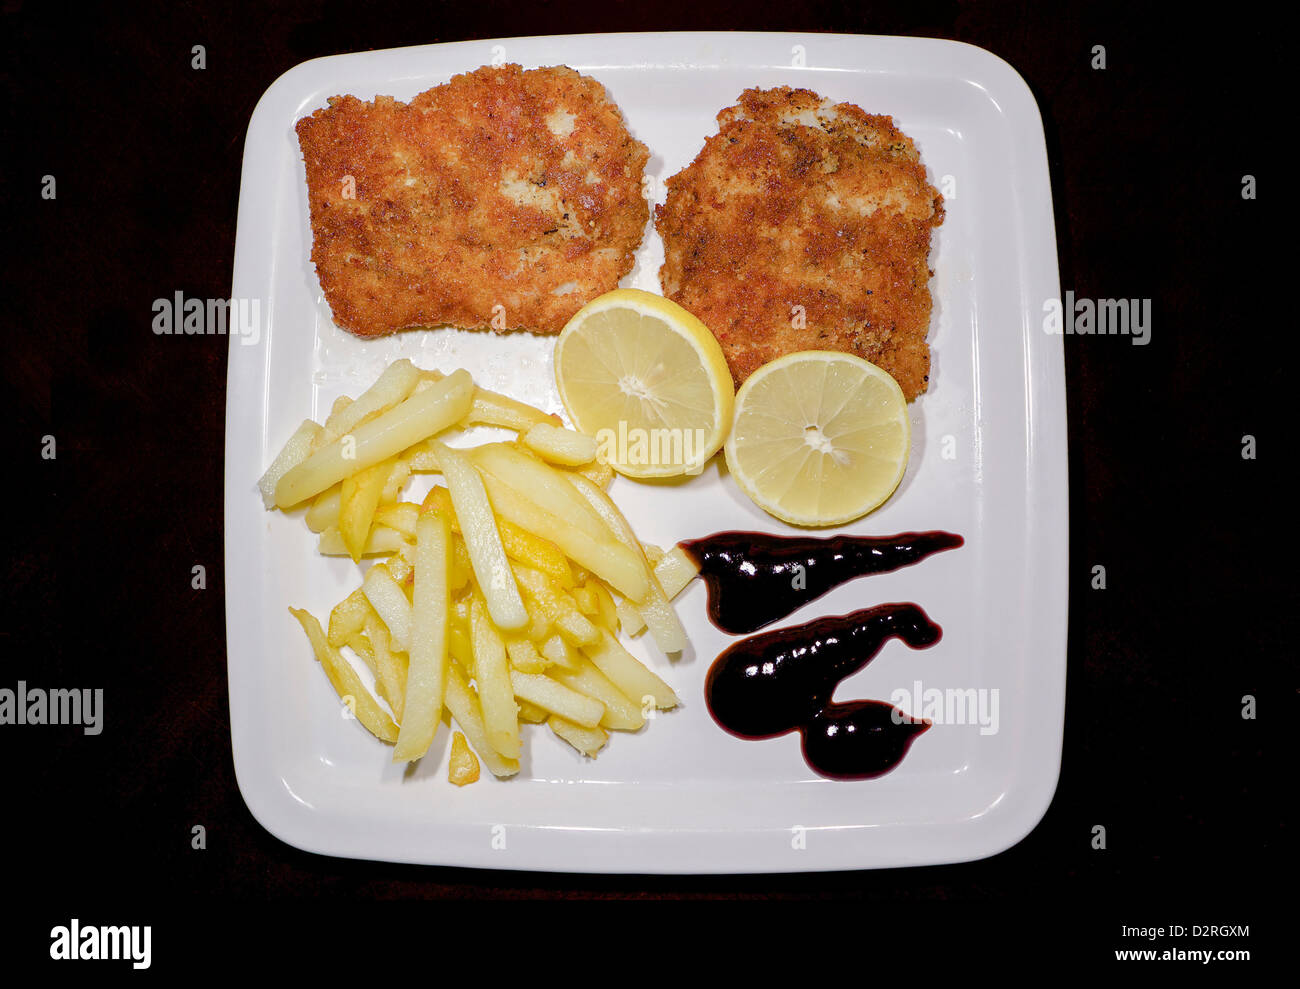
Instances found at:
x=988 y=461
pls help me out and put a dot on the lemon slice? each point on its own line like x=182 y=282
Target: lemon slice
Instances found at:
x=819 y=437
x=648 y=381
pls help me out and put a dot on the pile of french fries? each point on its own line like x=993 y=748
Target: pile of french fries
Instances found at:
x=501 y=597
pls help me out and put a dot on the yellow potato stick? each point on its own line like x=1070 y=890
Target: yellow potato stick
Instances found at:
x=401 y=516
x=524 y=656
x=392 y=386
x=630 y=619
x=531 y=713
x=605 y=607
x=585 y=598
x=398 y=475
x=464 y=708
x=492 y=409
x=345 y=681
x=653 y=553
x=461 y=646
x=613 y=562
x=622 y=713
x=462 y=766
x=553 y=696
x=439 y=500
x=359 y=497
x=389 y=601
x=536 y=552
x=655 y=609
x=389 y=667
x=324 y=511
x=632 y=677
x=674 y=571
x=381 y=542
x=492 y=675
x=387 y=435
x=427 y=668
x=294 y=452
x=478 y=525
x=559 y=445
x=548 y=488
x=598 y=473
x=556 y=651
x=588 y=741
x=422 y=460
x=349 y=617
x=557 y=606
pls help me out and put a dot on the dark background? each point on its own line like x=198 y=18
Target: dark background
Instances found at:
x=1146 y=158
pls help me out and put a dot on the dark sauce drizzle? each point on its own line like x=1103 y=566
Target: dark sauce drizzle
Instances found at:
x=755 y=579
x=782 y=681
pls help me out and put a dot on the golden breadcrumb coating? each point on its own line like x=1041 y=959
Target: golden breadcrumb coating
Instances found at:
x=505 y=198
x=805 y=225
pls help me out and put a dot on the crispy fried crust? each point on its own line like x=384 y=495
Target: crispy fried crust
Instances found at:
x=799 y=202
x=502 y=188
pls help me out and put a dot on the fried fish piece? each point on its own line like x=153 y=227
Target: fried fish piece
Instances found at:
x=805 y=225
x=504 y=198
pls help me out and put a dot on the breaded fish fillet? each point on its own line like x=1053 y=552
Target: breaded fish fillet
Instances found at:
x=805 y=225
x=504 y=198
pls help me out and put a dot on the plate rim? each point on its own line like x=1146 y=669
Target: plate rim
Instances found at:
x=270 y=797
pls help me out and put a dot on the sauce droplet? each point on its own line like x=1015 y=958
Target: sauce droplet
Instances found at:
x=756 y=578
x=782 y=681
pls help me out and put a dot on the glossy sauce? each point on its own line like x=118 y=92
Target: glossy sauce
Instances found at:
x=755 y=578
x=782 y=681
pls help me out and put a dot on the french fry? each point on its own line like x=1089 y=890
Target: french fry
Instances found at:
x=546 y=487
x=359 y=497
x=531 y=713
x=483 y=540
x=632 y=677
x=295 y=451
x=674 y=571
x=324 y=511
x=588 y=741
x=597 y=472
x=427 y=670
x=387 y=435
x=402 y=517
x=558 y=445
x=345 y=681
x=629 y=618
x=524 y=656
x=495 y=689
x=608 y=613
x=389 y=601
x=553 y=696
x=558 y=652
x=617 y=565
x=392 y=386
x=492 y=409
x=390 y=667
x=464 y=708
x=462 y=766
x=398 y=475
x=557 y=606
x=381 y=541
x=622 y=713
x=349 y=617
x=662 y=620
x=536 y=552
